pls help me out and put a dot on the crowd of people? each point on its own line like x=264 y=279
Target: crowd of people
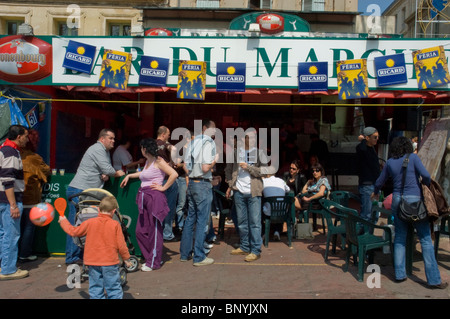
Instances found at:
x=176 y=199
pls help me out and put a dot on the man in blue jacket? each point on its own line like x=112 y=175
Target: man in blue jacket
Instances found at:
x=368 y=169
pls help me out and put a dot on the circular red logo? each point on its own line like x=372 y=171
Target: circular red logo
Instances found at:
x=158 y=32
x=270 y=23
x=24 y=59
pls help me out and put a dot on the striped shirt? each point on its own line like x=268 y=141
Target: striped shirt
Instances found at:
x=11 y=173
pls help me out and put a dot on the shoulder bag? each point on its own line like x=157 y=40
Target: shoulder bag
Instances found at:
x=410 y=212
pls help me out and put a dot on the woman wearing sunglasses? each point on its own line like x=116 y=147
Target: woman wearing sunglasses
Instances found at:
x=314 y=189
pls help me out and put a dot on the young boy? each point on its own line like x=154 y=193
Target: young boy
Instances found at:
x=104 y=243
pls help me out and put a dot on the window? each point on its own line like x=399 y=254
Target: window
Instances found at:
x=117 y=29
x=261 y=4
x=313 y=5
x=65 y=30
x=12 y=27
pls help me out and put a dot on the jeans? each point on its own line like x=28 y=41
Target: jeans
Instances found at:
x=27 y=229
x=366 y=203
x=73 y=252
x=171 y=195
x=181 y=204
x=199 y=209
x=9 y=238
x=104 y=282
x=424 y=234
x=248 y=210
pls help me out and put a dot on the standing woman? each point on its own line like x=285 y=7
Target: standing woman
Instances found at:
x=152 y=203
x=412 y=193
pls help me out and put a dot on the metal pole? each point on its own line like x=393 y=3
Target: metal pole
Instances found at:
x=415 y=22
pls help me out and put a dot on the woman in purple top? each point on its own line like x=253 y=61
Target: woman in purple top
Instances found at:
x=152 y=203
x=398 y=149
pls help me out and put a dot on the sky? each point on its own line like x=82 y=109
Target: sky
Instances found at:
x=364 y=4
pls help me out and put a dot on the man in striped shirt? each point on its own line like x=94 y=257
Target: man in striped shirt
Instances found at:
x=12 y=186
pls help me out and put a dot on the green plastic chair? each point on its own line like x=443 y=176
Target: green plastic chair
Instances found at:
x=225 y=210
x=314 y=213
x=343 y=197
x=364 y=242
x=282 y=210
x=334 y=228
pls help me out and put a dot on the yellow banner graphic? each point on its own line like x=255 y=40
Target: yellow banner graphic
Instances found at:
x=431 y=67
x=115 y=69
x=191 y=80
x=352 y=79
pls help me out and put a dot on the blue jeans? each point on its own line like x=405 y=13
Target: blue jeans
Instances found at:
x=73 y=252
x=104 y=282
x=199 y=209
x=27 y=229
x=171 y=195
x=423 y=233
x=366 y=203
x=181 y=204
x=9 y=238
x=248 y=210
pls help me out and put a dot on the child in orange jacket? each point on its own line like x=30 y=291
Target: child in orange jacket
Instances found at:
x=104 y=243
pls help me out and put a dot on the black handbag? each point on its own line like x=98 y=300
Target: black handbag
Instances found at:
x=410 y=212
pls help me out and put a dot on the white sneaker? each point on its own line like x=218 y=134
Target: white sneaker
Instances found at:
x=207 y=246
x=205 y=262
x=144 y=267
x=276 y=236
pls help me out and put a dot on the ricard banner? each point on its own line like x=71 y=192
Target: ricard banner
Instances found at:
x=271 y=62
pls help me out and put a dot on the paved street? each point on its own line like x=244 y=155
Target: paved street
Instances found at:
x=282 y=273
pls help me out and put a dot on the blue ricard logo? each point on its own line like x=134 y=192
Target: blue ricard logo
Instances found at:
x=391 y=69
x=78 y=58
x=230 y=77
x=153 y=70
x=312 y=76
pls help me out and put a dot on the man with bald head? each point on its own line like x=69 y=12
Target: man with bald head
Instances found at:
x=95 y=168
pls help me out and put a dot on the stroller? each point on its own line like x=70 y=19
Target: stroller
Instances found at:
x=87 y=208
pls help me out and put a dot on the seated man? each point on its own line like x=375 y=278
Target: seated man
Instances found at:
x=273 y=186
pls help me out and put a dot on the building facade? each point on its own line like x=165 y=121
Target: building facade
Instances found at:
x=420 y=18
x=217 y=31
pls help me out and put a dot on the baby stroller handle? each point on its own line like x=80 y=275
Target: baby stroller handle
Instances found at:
x=128 y=218
x=82 y=193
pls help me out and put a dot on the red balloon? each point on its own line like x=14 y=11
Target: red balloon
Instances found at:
x=42 y=214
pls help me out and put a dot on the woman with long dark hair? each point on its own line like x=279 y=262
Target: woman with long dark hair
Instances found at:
x=152 y=203
x=412 y=192
x=317 y=187
x=295 y=178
